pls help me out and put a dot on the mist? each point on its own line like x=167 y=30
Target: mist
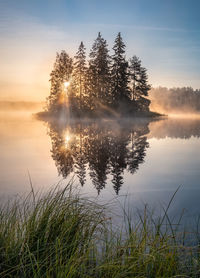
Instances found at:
x=20 y=106
x=175 y=102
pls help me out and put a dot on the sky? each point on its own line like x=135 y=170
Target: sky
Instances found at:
x=165 y=34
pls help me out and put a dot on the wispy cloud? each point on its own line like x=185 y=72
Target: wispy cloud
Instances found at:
x=140 y=27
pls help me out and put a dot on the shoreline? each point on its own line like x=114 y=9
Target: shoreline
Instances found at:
x=49 y=117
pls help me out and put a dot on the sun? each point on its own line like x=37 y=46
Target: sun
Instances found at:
x=67 y=140
x=66 y=84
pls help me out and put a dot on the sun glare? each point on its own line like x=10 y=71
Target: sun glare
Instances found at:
x=67 y=139
x=66 y=84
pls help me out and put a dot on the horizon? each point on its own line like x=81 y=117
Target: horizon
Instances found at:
x=165 y=36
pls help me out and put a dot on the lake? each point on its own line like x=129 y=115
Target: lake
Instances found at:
x=142 y=161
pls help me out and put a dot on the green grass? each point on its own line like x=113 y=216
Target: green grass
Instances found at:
x=63 y=234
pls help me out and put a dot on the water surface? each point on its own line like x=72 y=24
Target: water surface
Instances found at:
x=145 y=160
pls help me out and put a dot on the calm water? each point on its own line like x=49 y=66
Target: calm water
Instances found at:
x=146 y=161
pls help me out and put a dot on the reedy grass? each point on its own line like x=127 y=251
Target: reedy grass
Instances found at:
x=61 y=234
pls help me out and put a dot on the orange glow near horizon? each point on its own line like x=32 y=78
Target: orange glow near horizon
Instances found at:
x=184 y=115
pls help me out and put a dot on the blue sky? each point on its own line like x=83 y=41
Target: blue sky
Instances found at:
x=165 y=34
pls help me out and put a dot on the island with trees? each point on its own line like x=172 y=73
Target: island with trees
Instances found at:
x=103 y=86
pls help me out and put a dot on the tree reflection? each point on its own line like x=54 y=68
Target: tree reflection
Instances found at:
x=81 y=161
x=104 y=151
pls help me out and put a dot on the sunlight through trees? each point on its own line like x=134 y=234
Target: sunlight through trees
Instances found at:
x=104 y=85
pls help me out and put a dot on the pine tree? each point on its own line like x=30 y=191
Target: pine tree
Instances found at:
x=139 y=84
x=90 y=97
x=99 y=68
x=120 y=90
x=61 y=72
x=134 y=70
x=105 y=86
x=79 y=75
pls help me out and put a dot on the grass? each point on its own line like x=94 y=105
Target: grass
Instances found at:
x=63 y=234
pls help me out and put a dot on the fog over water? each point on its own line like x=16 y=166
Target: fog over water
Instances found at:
x=177 y=102
x=146 y=160
x=13 y=106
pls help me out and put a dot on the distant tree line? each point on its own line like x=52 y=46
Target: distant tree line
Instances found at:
x=184 y=99
x=103 y=84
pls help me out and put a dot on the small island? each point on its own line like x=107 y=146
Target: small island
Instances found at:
x=105 y=86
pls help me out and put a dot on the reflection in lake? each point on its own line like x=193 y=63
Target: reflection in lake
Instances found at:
x=175 y=128
x=150 y=159
x=102 y=149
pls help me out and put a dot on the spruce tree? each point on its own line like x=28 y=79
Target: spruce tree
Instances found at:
x=139 y=84
x=61 y=72
x=90 y=97
x=119 y=74
x=134 y=71
x=99 y=67
x=144 y=88
x=79 y=75
x=115 y=83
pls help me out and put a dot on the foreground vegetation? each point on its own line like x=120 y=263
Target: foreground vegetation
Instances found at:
x=64 y=235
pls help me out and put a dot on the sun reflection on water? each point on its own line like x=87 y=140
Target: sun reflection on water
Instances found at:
x=67 y=139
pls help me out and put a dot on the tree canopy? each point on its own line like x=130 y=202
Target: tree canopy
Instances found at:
x=105 y=84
